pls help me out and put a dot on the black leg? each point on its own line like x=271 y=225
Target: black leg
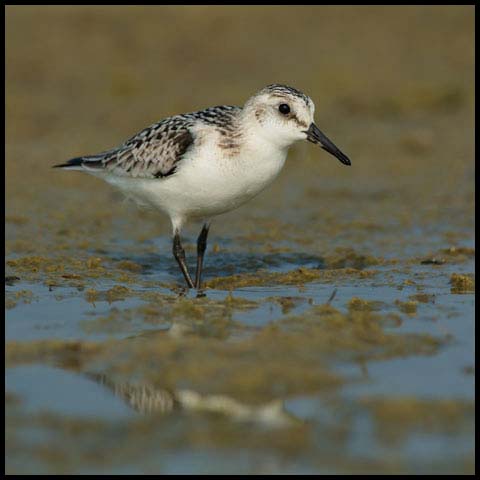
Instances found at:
x=201 y=247
x=179 y=254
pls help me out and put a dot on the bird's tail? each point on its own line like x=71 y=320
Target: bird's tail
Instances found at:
x=93 y=162
x=73 y=164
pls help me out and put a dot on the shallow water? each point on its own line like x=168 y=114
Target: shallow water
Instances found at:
x=83 y=393
x=336 y=334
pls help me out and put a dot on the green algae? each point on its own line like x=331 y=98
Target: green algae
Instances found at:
x=462 y=283
x=450 y=255
x=286 y=303
x=349 y=258
x=422 y=298
x=63 y=352
x=409 y=307
x=12 y=299
x=356 y=303
x=129 y=266
x=116 y=293
x=298 y=276
x=186 y=316
x=359 y=334
x=79 y=272
x=397 y=418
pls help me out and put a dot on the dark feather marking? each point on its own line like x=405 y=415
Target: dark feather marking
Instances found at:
x=74 y=162
x=276 y=88
x=297 y=121
x=156 y=151
x=184 y=141
x=78 y=162
x=163 y=175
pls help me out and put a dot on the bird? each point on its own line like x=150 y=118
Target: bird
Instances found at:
x=195 y=166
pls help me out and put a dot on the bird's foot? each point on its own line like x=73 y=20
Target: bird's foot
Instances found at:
x=201 y=293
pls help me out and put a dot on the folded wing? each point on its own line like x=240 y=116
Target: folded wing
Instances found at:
x=155 y=152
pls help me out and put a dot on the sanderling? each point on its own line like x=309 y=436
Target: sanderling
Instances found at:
x=199 y=165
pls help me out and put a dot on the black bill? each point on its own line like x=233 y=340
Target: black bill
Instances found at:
x=314 y=135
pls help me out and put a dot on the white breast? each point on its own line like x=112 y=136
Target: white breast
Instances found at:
x=209 y=181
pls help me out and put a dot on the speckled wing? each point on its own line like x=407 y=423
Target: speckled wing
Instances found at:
x=155 y=152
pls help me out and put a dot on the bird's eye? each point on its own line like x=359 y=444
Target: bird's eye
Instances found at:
x=284 y=109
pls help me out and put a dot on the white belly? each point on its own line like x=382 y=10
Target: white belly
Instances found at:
x=205 y=186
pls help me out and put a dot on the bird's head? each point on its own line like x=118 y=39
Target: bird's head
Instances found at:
x=284 y=115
